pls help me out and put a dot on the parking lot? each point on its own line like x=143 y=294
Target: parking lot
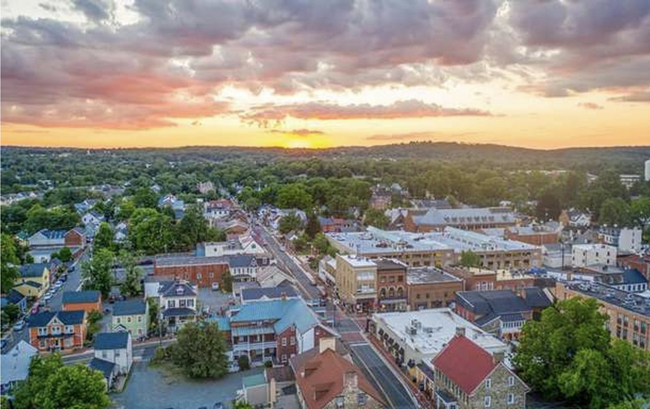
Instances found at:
x=216 y=300
x=152 y=388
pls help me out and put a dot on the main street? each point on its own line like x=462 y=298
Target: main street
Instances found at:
x=378 y=371
x=73 y=283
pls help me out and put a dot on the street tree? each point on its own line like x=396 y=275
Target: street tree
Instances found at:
x=96 y=272
x=226 y=282
x=131 y=286
x=290 y=222
x=614 y=211
x=104 y=237
x=200 y=351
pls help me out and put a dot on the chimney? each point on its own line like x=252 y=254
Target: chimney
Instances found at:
x=350 y=380
x=460 y=331
x=497 y=357
x=326 y=343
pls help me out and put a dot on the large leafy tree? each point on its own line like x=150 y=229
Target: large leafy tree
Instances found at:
x=376 y=218
x=151 y=231
x=8 y=263
x=97 y=272
x=104 y=237
x=200 y=351
x=313 y=227
x=615 y=211
x=52 y=385
x=568 y=355
x=145 y=197
x=294 y=196
x=290 y=222
x=133 y=273
x=469 y=259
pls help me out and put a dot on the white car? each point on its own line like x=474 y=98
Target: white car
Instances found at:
x=58 y=284
x=215 y=286
x=18 y=326
x=48 y=296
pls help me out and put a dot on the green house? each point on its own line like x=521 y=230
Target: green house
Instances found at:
x=131 y=316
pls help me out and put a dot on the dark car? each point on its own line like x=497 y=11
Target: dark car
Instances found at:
x=71 y=269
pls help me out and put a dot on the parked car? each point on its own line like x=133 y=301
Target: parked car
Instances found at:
x=218 y=405
x=215 y=286
x=18 y=326
x=35 y=308
x=58 y=284
x=71 y=269
x=64 y=277
x=48 y=296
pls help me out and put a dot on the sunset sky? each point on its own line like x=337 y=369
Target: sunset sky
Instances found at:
x=305 y=73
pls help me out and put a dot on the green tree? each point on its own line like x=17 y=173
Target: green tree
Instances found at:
x=151 y=231
x=614 y=211
x=568 y=355
x=192 y=229
x=104 y=237
x=242 y=405
x=153 y=317
x=200 y=351
x=226 y=282
x=96 y=272
x=376 y=218
x=65 y=254
x=133 y=273
x=290 y=222
x=244 y=363
x=321 y=244
x=294 y=196
x=126 y=210
x=469 y=259
x=8 y=263
x=313 y=227
x=640 y=211
x=548 y=207
x=94 y=326
x=145 y=198
x=51 y=385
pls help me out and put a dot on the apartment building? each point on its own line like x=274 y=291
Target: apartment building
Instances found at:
x=626 y=240
x=201 y=270
x=467 y=218
x=392 y=293
x=356 y=281
x=584 y=255
x=431 y=287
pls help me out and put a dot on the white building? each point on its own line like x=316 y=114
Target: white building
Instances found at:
x=113 y=355
x=177 y=301
x=629 y=180
x=647 y=170
x=420 y=335
x=627 y=240
x=243 y=244
x=583 y=255
x=15 y=365
x=556 y=255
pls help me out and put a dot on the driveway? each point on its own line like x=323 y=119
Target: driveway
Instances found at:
x=152 y=388
x=216 y=300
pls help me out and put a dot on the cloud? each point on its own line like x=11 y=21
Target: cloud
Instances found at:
x=95 y=10
x=266 y=115
x=589 y=105
x=417 y=136
x=637 y=96
x=297 y=132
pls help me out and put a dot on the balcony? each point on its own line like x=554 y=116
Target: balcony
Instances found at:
x=253 y=346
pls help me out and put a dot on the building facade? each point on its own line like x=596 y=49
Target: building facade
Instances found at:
x=584 y=255
x=131 y=316
x=57 y=331
x=431 y=287
x=356 y=279
x=82 y=300
x=201 y=270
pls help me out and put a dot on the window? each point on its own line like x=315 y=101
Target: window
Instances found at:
x=42 y=331
x=118 y=320
x=284 y=341
x=56 y=330
x=128 y=319
x=511 y=399
x=104 y=354
x=511 y=381
x=488 y=383
x=181 y=303
x=362 y=398
x=199 y=276
x=69 y=329
x=487 y=401
x=190 y=303
x=139 y=318
x=293 y=340
x=171 y=303
x=117 y=353
x=340 y=401
x=284 y=357
x=211 y=275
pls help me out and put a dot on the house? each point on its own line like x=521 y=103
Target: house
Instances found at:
x=499 y=312
x=249 y=295
x=113 y=355
x=205 y=187
x=85 y=206
x=242 y=244
x=16 y=298
x=177 y=301
x=273 y=276
x=232 y=227
x=205 y=271
x=275 y=330
x=633 y=281
x=556 y=255
x=34 y=279
x=75 y=238
x=57 y=330
x=87 y=301
x=15 y=366
x=243 y=267
x=575 y=218
x=131 y=316
x=217 y=210
x=336 y=225
x=626 y=240
x=92 y=218
x=121 y=232
x=328 y=380
x=467 y=376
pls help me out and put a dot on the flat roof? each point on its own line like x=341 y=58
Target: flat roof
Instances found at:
x=425 y=275
x=356 y=261
x=185 y=260
x=636 y=303
x=438 y=327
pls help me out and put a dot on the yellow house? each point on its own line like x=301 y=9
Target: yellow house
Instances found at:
x=34 y=280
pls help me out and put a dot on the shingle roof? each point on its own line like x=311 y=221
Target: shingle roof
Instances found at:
x=633 y=276
x=497 y=301
x=130 y=307
x=536 y=298
x=14 y=296
x=105 y=367
x=111 y=340
x=53 y=234
x=321 y=379
x=81 y=297
x=249 y=294
x=178 y=312
x=41 y=319
x=177 y=289
x=32 y=270
x=287 y=312
x=465 y=363
x=242 y=260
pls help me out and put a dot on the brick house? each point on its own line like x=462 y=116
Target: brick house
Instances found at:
x=201 y=270
x=329 y=380
x=82 y=300
x=431 y=287
x=391 y=285
x=75 y=237
x=467 y=376
x=57 y=330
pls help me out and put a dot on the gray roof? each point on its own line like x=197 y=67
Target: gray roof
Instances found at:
x=425 y=275
x=188 y=260
x=15 y=363
x=32 y=270
x=176 y=289
x=103 y=366
x=130 y=307
x=41 y=319
x=111 y=340
x=178 y=312
x=242 y=260
x=81 y=297
x=53 y=234
x=468 y=216
x=536 y=298
x=249 y=294
x=492 y=302
x=634 y=276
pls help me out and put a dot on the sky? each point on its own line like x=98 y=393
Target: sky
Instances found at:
x=302 y=73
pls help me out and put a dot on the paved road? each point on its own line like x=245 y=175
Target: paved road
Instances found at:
x=141 y=352
x=378 y=371
x=71 y=284
x=306 y=287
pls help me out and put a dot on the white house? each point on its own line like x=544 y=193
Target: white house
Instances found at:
x=15 y=365
x=626 y=239
x=113 y=355
x=243 y=244
x=92 y=218
x=178 y=303
x=583 y=255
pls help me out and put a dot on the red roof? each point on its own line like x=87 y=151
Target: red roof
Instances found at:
x=465 y=363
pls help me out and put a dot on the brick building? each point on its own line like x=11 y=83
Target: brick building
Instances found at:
x=535 y=235
x=467 y=218
x=75 y=238
x=431 y=287
x=201 y=270
x=82 y=300
x=57 y=330
x=391 y=285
